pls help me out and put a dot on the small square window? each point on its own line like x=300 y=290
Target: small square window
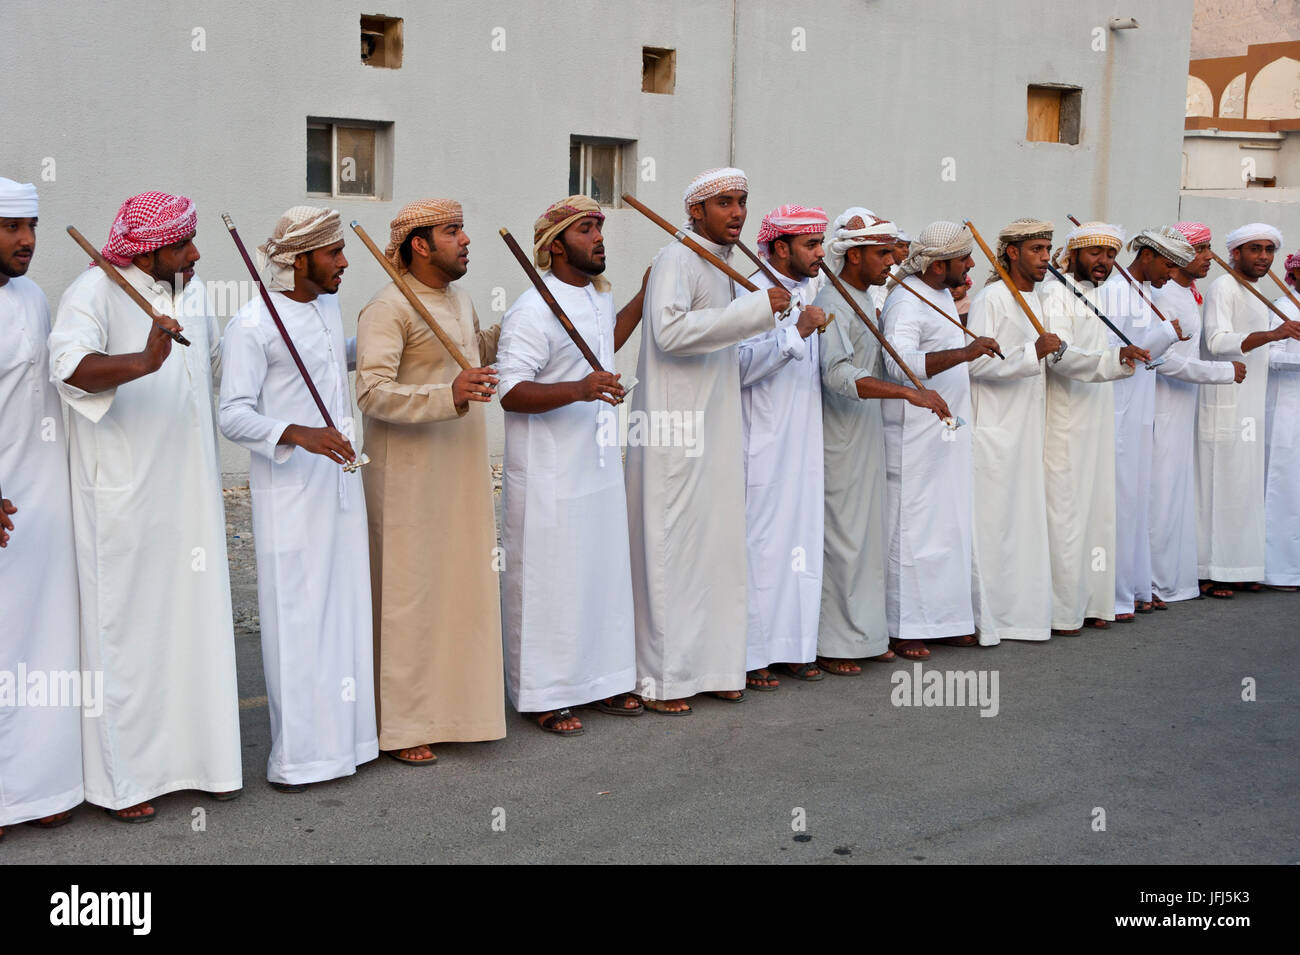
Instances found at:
x=381 y=41
x=599 y=167
x=658 y=70
x=349 y=158
x=1053 y=114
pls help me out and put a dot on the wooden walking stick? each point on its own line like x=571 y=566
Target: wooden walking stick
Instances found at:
x=1153 y=363
x=771 y=275
x=762 y=266
x=1286 y=291
x=691 y=244
x=553 y=305
x=452 y=349
x=952 y=423
x=288 y=342
x=123 y=284
x=1011 y=287
x=550 y=301
x=1249 y=287
x=702 y=252
x=899 y=282
x=1137 y=287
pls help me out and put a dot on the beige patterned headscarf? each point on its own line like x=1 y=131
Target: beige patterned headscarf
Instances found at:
x=301 y=229
x=415 y=215
x=1021 y=230
x=1090 y=235
x=937 y=242
x=558 y=217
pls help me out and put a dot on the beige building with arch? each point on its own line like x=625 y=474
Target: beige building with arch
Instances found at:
x=1241 y=144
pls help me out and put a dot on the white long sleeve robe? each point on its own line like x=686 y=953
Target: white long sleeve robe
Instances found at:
x=1079 y=458
x=929 y=481
x=1011 y=566
x=853 y=622
x=1282 y=463
x=40 y=745
x=151 y=549
x=566 y=590
x=309 y=532
x=781 y=411
x=1135 y=408
x=1231 y=438
x=686 y=487
x=1173 y=461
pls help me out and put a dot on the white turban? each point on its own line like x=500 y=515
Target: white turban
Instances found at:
x=301 y=229
x=1255 y=231
x=855 y=227
x=1167 y=242
x=710 y=183
x=937 y=242
x=17 y=199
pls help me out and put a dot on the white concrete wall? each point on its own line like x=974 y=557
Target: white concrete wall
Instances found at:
x=1217 y=159
x=1225 y=210
x=886 y=97
x=1288 y=161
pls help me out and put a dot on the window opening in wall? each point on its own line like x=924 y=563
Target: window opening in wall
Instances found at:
x=602 y=168
x=1053 y=114
x=658 y=70
x=381 y=41
x=349 y=158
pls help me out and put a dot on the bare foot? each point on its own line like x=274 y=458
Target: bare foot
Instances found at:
x=623 y=704
x=912 y=649
x=137 y=813
x=54 y=821
x=666 y=706
x=761 y=679
x=416 y=754
x=565 y=725
x=838 y=666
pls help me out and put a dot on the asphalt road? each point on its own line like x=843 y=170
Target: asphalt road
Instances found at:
x=1144 y=723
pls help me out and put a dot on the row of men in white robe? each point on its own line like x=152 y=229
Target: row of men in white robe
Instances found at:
x=718 y=583
x=1035 y=518
x=1055 y=505
x=124 y=520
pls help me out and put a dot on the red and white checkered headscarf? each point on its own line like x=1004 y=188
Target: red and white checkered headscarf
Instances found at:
x=1197 y=233
x=790 y=220
x=147 y=222
x=1292 y=263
